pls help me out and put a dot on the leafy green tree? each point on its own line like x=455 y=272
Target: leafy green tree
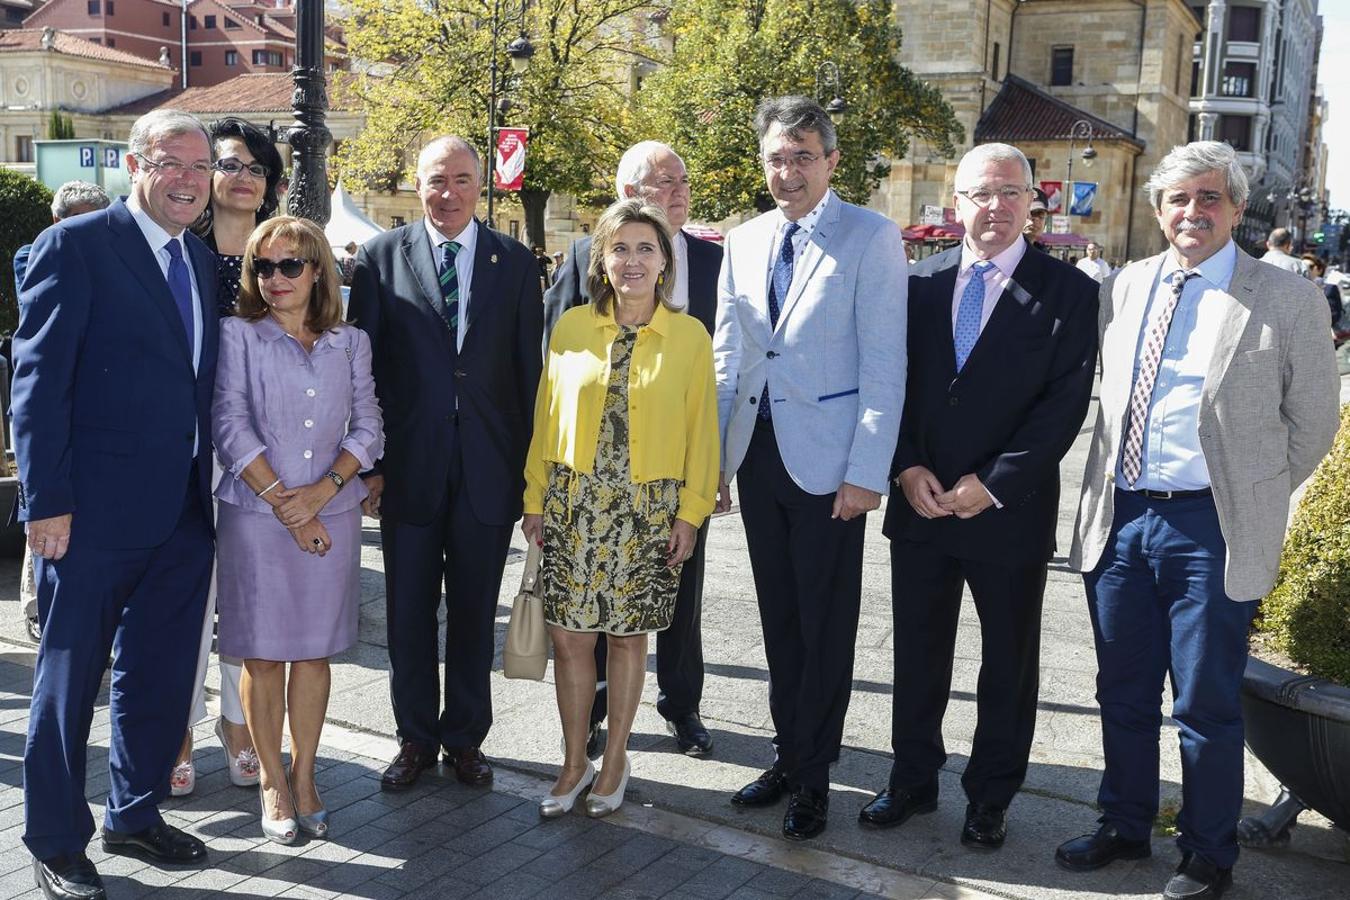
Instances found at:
x=432 y=77
x=725 y=56
x=60 y=127
x=25 y=209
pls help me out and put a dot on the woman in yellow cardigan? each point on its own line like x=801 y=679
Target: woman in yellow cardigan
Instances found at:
x=621 y=473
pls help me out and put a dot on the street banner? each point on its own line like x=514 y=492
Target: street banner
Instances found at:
x=1084 y=193
x=508 y=173
x=930 y=215
x=1059 y=224
x=1054 y=195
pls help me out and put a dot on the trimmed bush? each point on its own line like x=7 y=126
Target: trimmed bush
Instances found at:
x=1307 y=615
x=25 y=209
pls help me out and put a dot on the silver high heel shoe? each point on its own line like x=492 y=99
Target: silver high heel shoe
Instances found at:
x=315 y=824
x=279 y=831
x=598 y=805
x=553 y=806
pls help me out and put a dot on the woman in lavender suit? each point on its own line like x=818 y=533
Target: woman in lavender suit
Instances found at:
x=295 y=418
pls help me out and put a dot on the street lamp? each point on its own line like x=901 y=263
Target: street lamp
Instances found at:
x=309 y=137
x=828 y=81
x=1079 y=131
x=518 y=52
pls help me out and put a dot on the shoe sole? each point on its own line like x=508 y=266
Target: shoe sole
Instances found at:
x=916 y=811
x=980 y=845
x=1142 y=853
x=758 y=804
x=138 y=852
x=49 y=893
x=804 y=837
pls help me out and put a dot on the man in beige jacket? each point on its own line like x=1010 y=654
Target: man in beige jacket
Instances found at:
x=1218 y=397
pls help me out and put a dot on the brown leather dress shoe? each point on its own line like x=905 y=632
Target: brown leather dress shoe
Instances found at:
x=470 y=765
x=412 y=761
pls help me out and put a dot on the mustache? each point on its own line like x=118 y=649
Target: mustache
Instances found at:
x=1195 y=225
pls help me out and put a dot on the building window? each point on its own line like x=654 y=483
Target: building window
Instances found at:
x=195 y=58
x=994 y=67
x=230 y=23
x=1237 y=131
x=95 y=7
x=1239 y=79
x=164 y=19
x=1244 y=24
x=1190 y=129
x=23 y=148
x=110 y=7
x=1061 y=66
x=192 y=23
x=396 y=222
x=112 y=42
x=231 y=57
x=266 y=58
x=95 y=40
x=210 y=22
x=1182 y=44
x=1195 y=78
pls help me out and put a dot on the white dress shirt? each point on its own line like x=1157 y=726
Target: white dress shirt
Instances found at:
x=1098 y=268
x=468 y=241
x=995 y=279
x=805 y=225
x=679 y=297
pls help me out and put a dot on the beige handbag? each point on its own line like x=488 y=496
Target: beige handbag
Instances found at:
x=525 y=654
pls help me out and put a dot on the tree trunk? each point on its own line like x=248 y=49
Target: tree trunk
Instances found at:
x=534 y=202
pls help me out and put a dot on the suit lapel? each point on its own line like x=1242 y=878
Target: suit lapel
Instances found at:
x=1123 y=340
x=812 y=254
x=1018 y=295
x=1239 y=299
x=417 y=254
x=204 y=268
x=486 y=275
x=140 y=259
x=937 y=293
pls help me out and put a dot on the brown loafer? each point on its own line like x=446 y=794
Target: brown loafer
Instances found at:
x=470 y=765
x=412 y=761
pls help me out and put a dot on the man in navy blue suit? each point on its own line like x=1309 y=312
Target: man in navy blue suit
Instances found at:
x=115 y=366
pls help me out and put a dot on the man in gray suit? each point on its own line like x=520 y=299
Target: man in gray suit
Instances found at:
x=810 y=357
x=1218 y=397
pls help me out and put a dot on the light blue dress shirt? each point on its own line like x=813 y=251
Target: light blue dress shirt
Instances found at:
x=1172 y=458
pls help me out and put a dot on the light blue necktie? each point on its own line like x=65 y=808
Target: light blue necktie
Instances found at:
x=968 y=314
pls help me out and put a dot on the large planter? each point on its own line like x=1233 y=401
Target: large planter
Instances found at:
x=1299 y=727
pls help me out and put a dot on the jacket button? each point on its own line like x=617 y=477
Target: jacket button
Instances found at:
x=954 y=401
x=459 y=373
x=754 y=400
x=772 y=354
x=188 y=436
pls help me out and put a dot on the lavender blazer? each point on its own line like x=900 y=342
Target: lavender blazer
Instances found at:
x=300 y=409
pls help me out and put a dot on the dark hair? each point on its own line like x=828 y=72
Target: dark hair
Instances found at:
x=796 y=115
x=264 y=152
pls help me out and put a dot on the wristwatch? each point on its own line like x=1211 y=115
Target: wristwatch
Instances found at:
x=335 y=478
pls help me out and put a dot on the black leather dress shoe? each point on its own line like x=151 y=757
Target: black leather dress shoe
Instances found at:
x=892 y=807
x=470 y=765
x=806 y=814
x=411 y=762
x=766 y=790
x=1105 y=846
x=68 y=877
x=986 y=826
x=1198 y=879
x=160 y=843
x=692 y=738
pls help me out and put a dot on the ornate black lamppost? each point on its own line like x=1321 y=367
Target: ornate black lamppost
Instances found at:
x=519 y=51
x=1079 y=131
x=828 y=82
x=309 y=137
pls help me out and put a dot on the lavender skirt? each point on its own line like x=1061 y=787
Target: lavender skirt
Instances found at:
x=276 y=601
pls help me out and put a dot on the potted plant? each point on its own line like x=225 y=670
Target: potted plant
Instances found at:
x=1298 y=715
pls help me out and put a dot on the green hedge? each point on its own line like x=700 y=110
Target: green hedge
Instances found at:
x=1307 y=615
x=25 y=209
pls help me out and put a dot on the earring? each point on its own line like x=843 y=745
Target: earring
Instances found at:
x=604 y=279
x=661 y=277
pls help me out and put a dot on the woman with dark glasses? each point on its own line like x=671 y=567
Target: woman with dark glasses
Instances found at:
x=294 y=419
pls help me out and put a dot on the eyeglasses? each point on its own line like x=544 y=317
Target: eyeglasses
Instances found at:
x=983 y=196
x=265 y=268
x=234 y=166
x=174 y=168
x=800 y=160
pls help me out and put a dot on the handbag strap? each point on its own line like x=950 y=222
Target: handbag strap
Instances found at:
x=529 y=579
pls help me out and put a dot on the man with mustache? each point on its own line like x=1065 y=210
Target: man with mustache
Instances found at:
x=1218 y=397
x=1002 y=340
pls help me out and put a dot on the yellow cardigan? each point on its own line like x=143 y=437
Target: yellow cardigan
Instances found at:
x=672 y=405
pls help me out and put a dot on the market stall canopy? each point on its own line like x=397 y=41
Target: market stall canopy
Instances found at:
x=347 y=222
x=933 y=233
x=706 y=232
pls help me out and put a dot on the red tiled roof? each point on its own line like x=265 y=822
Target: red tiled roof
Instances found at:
x=1023 y=112
x=263 y=92
x=30 y=39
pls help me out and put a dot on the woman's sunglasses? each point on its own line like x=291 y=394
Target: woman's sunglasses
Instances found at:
x=265 y=268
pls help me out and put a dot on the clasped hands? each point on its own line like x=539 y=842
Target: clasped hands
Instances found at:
x=967 y=498
x=299 y=512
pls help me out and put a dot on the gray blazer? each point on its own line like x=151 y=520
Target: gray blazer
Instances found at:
x=1268 y=412
x=835 y=364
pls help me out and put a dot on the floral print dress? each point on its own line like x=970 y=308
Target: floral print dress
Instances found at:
x=605 y=537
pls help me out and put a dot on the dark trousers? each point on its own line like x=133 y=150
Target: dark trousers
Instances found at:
x=808 y=579
x=926 y=586
x=459 y=553
x=679 y=649
x=1158 y=604
x=145 y=606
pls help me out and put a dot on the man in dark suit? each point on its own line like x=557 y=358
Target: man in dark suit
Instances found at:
x=454 y=316
x=1002 y=341
x=653 y=171
x=115 y=367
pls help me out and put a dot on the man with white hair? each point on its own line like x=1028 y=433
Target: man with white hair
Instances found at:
x=653 y=171
x=1218 y=398
x=115 y=368
x=1002 y=345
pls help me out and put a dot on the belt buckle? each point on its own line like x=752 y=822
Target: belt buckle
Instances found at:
x=1163 y=495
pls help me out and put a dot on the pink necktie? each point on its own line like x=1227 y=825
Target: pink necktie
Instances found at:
x=1132 y=453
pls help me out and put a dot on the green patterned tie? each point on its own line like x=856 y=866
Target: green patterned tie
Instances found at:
x=449 y=279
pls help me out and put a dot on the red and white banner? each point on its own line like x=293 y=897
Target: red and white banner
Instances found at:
x=508 y=172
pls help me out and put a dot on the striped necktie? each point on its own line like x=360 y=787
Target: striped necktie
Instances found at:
x=1132 y=453
x=449 y=279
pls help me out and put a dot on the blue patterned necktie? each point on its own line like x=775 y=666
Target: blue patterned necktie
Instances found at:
x=180 y=285
x=969 y=313
x=449 y=279
x=778 y=291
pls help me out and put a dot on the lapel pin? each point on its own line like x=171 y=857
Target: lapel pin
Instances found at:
x=494 y=258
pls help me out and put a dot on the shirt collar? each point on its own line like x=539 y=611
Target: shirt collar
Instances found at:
x=270 y=330
x=806 y=223
x=660 y=322
x=155 y=235
x=1217 y=270
x=467 y=238
x=1006 y=261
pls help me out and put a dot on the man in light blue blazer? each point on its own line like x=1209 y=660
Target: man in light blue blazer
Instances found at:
x=810 y=357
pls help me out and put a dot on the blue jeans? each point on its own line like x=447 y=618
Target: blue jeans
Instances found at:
x=1158 y=605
